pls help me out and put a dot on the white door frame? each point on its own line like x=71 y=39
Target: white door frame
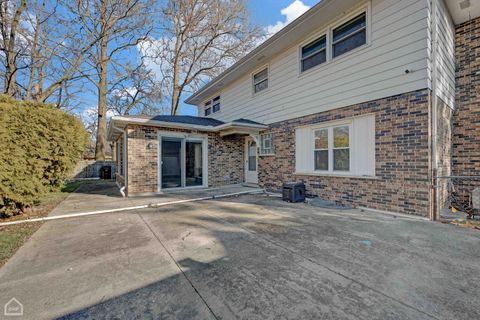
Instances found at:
x=184 y=137
x=250 y=176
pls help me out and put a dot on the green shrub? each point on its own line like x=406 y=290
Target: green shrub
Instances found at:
x=40 y=146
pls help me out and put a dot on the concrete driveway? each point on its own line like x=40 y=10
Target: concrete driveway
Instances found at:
x=250 y=257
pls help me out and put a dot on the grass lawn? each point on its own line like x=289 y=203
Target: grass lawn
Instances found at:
x=13 y=237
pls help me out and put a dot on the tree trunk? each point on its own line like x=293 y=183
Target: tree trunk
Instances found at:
x=175 y=102
x=100 y=147
x=11 y=55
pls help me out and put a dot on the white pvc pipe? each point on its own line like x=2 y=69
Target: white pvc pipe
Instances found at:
x=150 y=205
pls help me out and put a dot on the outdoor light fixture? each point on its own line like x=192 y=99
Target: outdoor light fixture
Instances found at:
x=150 y=145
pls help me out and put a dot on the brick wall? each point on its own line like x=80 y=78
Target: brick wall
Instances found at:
x=225 y=158
x=402 y=157
x=466 y=133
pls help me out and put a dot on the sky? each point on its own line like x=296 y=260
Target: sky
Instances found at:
x=272 y=15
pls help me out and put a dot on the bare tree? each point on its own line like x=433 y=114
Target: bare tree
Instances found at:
x=42 y=48
x=198 y=40
x=137 y=92
x=119 y=25
x=10 y=28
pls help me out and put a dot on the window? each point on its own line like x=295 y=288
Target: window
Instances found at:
x=332 y=149
x=266 y=144
x=216 y=104
x=260 y=80
x=341 y=148
x=314 y=53
x=345 y=147
x=321 y=150
x=349 y=35
x=212 y=106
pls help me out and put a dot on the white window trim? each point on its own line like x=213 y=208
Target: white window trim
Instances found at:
x=328 y=31
x=256 y=71
x=272 y=147
x=331 y=147
x=204 y=107
x=184 y=136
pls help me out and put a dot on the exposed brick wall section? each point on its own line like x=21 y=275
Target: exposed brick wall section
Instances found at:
x=466 y=133
x=402 y=157
x=225 y=158
x=142 y=165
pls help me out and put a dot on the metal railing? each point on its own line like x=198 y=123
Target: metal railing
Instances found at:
x=459 y=193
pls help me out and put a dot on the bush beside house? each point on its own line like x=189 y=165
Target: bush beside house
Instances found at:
x=40 y=146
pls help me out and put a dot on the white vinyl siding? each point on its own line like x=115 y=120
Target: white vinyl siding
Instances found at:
x=361 y=147
x=445 y=59
x=398 y=40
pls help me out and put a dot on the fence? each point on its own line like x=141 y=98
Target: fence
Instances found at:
x=458 y=193
x=92 y=168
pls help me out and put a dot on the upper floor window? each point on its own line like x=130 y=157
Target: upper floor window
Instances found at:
x=216 y=104
x=350 y=35
x=212 y=106
x=314 y=53
x=260 y=80
x=207 y=108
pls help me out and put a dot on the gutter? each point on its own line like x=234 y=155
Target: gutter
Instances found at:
x=434 y=113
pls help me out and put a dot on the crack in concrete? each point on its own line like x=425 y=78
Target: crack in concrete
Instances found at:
x=178 y=266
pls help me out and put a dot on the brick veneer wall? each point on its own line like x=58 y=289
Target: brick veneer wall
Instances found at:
x=466 y=133
x=466 y=130
x=225 y=158
x=402 y=157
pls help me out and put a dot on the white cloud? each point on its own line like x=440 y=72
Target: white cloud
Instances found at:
x=292 y=12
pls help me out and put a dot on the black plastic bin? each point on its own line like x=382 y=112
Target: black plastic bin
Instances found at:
x=293 y=192
x=106 y=172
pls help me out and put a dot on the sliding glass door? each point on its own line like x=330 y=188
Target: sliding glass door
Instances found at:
x=193 y=163
x=171 y=163
x=182 y=162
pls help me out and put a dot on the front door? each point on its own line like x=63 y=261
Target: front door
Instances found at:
x=251 y=173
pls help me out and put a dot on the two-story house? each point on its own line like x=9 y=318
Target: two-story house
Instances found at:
x=355 y=98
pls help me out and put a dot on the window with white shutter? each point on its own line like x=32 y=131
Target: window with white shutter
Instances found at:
x=344 y=147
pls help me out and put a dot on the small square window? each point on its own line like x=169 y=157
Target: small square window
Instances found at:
x=314 y=53
x=266 y=144
x=212 y=106
x=260 y=80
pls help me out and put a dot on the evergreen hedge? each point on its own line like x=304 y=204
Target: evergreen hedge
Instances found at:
x=39 y=147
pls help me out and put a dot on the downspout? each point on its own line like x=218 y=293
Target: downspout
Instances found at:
x=434 y=108
x=122 y=189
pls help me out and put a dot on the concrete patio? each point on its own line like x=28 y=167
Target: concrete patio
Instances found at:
x=247 y=257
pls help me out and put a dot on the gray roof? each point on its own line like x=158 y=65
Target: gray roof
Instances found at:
x=246 y=121
x=199 y=121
